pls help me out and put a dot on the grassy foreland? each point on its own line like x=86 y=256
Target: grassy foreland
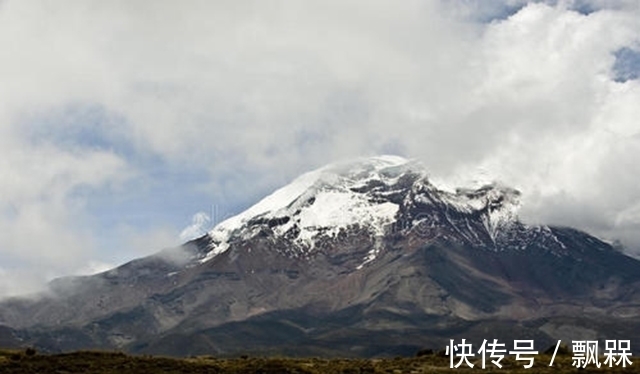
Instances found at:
x=14 y=362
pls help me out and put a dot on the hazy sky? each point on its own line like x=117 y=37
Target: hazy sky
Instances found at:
x=123 y=123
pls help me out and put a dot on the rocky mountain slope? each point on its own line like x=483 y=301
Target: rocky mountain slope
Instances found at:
x=361 y=258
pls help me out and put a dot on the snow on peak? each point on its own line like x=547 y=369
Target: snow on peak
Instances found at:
x=366 y=193
x=324 y=201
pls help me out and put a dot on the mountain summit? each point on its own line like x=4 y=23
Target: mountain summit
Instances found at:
x=360 y=258
x=377 y=195
x=321 y=203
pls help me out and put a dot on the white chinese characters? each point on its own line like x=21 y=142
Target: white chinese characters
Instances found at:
x=617 y=352
x=460 y=354
x=584 y=353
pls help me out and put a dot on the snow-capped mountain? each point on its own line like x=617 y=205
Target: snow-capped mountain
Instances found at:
x=360 y=258
x=379 y=195
x=323 y=202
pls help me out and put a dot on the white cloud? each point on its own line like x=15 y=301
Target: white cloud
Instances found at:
x=256 y=93
x=42 y=222
x=95 y=267
x=19 y=282
x=139 y=242
x=200 y=224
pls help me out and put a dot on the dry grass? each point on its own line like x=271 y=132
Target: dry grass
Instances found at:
x=18 y=362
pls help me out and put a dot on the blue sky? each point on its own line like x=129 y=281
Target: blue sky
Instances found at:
x=121 y=122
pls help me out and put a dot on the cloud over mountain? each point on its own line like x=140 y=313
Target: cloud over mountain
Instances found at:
x=108 y=104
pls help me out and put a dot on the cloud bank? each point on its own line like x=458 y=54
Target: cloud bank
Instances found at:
x=200 y=224
x=100 y=101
